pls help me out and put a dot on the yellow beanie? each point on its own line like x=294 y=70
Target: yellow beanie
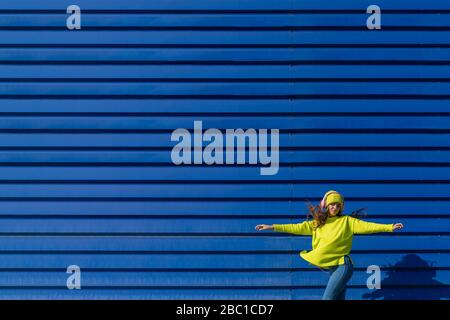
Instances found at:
x=333 y=198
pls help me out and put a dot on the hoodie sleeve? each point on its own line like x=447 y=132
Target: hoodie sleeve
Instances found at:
x=305 y=228
x=363 y=227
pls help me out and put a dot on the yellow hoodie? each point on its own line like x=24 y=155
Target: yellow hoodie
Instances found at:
x=332 y=241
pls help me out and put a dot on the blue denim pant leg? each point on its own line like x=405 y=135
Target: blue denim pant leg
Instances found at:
x=339 y=276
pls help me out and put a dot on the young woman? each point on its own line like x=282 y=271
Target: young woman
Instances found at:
x=332 y=235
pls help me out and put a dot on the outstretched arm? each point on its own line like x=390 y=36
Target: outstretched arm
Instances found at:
x=304 y=228
x=363 y=227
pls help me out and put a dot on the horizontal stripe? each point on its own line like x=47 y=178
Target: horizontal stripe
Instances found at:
x=286 y=158
x=117 y=261
x=198 y=208
x=223 y=123
x=224 y=55
x=312 y=141
x=193 y=226
x=417 y=38
x=212 y=106
x=218 y=191
x=212 y=244
x=228 y=89
x=228 y=5
x=197 y=20
x=223 y=73
x=212 y=174
x=214 y=279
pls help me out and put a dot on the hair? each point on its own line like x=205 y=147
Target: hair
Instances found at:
x=320 y=217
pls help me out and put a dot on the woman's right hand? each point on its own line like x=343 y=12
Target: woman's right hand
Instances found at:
x=261 y=227
x=397 y=226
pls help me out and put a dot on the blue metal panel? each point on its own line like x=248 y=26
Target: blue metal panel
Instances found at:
x=204 y=54
x=86 y=118
x=224 y=20
x=228 y=5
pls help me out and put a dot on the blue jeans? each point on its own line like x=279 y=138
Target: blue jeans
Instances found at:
x=339 y=276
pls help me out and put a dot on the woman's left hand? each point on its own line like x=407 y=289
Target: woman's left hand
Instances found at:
x=397 y=226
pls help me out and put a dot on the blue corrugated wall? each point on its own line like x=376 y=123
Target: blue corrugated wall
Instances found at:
x=85 y=125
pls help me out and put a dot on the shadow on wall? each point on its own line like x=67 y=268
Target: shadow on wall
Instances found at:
x=397 y=284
